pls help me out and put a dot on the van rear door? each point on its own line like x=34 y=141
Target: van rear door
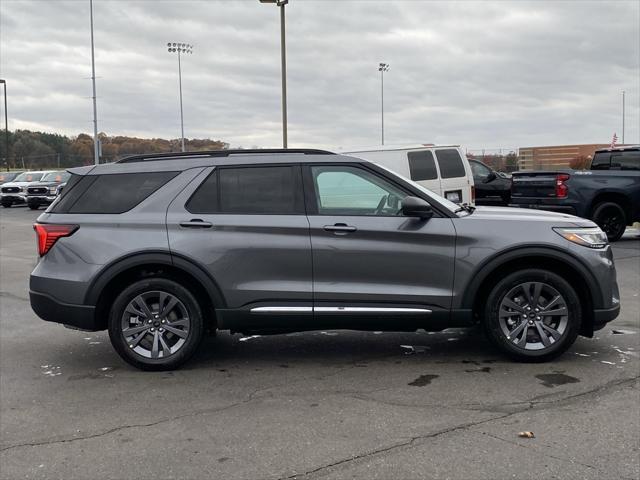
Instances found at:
x=455 y=175
x=422 y=169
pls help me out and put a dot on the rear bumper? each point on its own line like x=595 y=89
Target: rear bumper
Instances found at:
x=52 y=310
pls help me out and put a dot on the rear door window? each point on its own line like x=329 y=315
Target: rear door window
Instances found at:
x=601 y=161
x=450 y=163
x=422 y=166
x=629 y=160
x=268 y=190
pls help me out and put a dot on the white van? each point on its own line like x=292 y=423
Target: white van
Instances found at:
x=443 y=169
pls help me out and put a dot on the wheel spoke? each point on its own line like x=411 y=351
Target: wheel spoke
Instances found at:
x=537 y=290
x=165 y=348
x=554 y=333
x=557 y=311
x=128 y=332
x=507 y=302
x=506 y=313
x=136 y=340
x=166 y=309
x=176 y=331
x=155 y=348
x=552 y=303
x=131 y=308
x=522 y=342
x=183 y=322
x=544 y=337
x=513 y=334
x=143 y=306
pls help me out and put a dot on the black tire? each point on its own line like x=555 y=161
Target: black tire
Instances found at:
x=33 y=206
x=6 y=205
x=496 y=329
x=149 y=287
x=611 y=218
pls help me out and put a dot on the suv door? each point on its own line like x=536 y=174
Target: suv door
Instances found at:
x=247 y=227
x=368 y=259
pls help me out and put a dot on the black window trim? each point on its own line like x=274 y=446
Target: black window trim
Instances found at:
x=310 y=193
x=300 y=203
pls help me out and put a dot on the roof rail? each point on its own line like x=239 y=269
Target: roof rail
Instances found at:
x=149 y=157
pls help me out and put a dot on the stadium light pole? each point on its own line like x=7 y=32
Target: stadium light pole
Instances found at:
x=623 y=116
x=173 y=47
x=383 y=67
x=6 y=125
x=283 y=61
x=96 y=140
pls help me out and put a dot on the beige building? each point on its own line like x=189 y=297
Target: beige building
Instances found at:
x=554 y=157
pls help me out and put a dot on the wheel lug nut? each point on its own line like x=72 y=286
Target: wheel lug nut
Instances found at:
x=152 y=329
x=164 y=321
x=161 y=329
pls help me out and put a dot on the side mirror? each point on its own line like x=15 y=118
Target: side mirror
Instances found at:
x=416 y=207
x=491 y=177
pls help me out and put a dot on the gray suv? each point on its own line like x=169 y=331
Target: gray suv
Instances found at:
x=160 y=249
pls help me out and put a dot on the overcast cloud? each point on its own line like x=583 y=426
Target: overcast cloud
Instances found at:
x=482 y=74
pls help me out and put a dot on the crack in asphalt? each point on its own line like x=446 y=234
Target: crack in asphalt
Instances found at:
x=413 y=440
x=14 y=296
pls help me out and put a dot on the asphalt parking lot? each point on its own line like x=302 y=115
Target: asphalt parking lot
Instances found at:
x=314 y=405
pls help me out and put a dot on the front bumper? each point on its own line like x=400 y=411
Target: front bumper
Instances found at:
x=13 y=198
x=40 y=199
x=52 y=310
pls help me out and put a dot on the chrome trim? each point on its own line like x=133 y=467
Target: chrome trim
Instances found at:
x=282 y=309
x=370 y=310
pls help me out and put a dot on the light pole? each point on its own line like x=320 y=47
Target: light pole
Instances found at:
x=96 y=140
x=180 y=48
x=283 y=68
x=383 y=67
x=623 y=117
x=6 y=125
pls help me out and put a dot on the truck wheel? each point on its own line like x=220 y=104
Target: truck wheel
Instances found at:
x=34 y=206
x=611 y=219
x=532 y=315
x=6 y=205
x=156 y=324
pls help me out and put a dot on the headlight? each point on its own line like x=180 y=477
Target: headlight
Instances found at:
x=53 y=190
x=591 y=237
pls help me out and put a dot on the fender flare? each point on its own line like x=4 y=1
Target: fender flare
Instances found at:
x=158 y=257
x=502 y=258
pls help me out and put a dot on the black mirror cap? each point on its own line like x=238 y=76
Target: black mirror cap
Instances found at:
x=416 y=207
x=491 y=177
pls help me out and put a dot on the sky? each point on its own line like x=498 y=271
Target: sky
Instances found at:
x=485 y=75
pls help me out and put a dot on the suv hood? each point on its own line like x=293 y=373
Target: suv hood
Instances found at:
x=530 y=215
x=43 y=184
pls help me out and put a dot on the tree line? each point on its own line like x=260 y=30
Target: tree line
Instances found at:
x=33 y=150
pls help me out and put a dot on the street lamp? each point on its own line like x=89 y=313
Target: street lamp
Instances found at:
x=180 y=48
x=383 y=67
x=96 y=140
x=623 y=117
x=6 y=125
x=283 y=57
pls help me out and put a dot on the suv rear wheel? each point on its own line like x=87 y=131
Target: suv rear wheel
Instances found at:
x=532 y=315
x=611 y=218
x=156 y=324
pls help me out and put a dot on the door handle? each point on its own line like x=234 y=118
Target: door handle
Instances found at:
x=196 y=223
x=340 y=228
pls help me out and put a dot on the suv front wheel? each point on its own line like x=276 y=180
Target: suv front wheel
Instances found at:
x=156 y=324
x=532 y=315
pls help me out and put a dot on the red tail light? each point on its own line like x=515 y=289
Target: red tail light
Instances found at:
x=561 y=189
x=48 y=234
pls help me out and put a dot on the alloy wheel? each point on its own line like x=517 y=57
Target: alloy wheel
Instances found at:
x=155 y=324
x=533 y=315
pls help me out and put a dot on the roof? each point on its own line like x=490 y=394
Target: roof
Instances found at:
x=148 y=157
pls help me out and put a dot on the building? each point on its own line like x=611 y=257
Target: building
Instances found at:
x=555 y=157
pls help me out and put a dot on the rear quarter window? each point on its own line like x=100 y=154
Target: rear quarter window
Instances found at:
x=450 y=163
x=629 y=160
x=116 y=193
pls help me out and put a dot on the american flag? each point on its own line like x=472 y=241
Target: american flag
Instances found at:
x=614 y=140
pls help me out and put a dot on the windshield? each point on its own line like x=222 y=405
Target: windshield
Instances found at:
x=28 y=177
x=56 y=177
x=437 y=198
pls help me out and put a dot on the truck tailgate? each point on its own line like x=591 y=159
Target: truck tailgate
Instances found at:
x=534 y=184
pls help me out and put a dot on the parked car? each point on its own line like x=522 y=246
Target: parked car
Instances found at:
x=45 y=191
x=15 y=192
x=8 y=176
x=443 y=169
x=160 y=248
x=492 y=188
x=609 y=193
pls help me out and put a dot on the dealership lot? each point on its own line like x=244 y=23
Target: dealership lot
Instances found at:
x=315 y=405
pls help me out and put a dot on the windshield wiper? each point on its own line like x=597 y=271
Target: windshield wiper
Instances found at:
x=465 y=207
